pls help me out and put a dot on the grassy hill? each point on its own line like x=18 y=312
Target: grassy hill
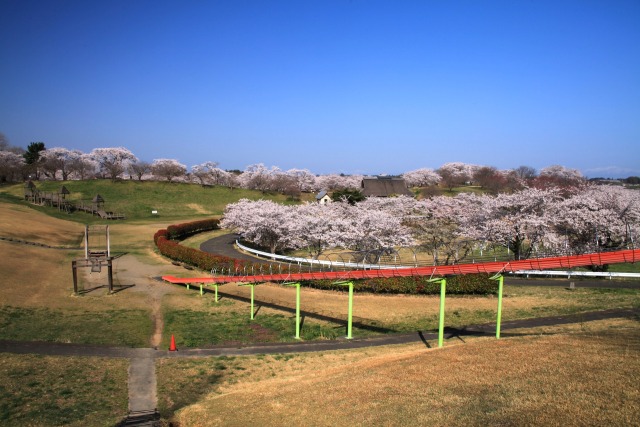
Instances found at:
x=173 y=201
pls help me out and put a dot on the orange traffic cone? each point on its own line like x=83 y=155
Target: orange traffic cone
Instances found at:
x=172 y=347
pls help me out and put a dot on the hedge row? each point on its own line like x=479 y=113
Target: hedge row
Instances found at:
x=182 y=231
x=167 y=242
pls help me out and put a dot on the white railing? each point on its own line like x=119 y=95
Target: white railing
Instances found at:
x=363 y=266
x=570 y=274
x=312 y=262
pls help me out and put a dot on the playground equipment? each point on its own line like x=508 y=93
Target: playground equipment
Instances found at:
x=97 y=254
x=58 y=200
x=497 y=268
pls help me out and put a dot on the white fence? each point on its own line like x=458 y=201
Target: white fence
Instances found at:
x=312 y=262
x=363 y=266
x=571 y=274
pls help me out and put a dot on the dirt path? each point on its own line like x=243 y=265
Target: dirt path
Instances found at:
x=129 y=270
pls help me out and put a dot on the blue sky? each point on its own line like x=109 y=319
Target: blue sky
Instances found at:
x=349 y=86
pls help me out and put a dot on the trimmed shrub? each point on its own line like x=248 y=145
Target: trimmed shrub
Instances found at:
x=188 y=229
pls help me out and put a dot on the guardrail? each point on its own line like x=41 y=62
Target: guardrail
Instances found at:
x=363 y=266
x=570 y=274
x=312 y=262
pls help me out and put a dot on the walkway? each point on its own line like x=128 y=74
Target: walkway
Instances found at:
x=62 y=349
x=224 y=245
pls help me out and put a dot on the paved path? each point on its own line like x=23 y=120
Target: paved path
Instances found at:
x=147 y=354
x=223 y=245
x=142 y=381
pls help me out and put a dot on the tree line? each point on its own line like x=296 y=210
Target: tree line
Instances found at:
x=577 y=219
x=39 y=162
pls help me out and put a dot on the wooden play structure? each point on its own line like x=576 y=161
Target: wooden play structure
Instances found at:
x=97 y=254
x=95 y=207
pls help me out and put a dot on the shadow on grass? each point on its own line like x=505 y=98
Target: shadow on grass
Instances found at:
x=317 y=316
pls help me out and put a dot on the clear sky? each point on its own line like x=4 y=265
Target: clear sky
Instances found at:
x=353 y=86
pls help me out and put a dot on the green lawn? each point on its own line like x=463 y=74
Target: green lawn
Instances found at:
x=131 y=328
x=172 y=201
x=62 y=391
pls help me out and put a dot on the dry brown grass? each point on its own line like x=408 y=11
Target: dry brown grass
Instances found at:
x=21 y=222
x=409 y=309
x=588 y=377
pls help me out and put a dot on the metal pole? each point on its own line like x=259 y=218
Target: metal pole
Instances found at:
x=74 y=267
x=297 y=285
x=298 y=311
x=216 y=292
x=443 y=290
x=110 y=274
x=200 y=289
x=252 y=286
x=108 y=242
x=350 y=314
x=500 y=279
x=499 y=318
x=86 y=242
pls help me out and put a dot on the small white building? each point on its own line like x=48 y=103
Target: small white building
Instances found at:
x=323 y=198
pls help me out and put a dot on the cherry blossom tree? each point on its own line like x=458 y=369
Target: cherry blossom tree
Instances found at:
x=455 y=173
x=209 y=173
x=139 y=169
x=83 y=167
x=436 y=227
x=596 y=218
x=168 y=169
x=281 y=182
x=263 y=222
x=400 y=206
x=517 y=221
x=11 y=165
x=113 y=161
x=58 y=159
x=421 y=177
x=337 y=182
x=257 y=177
x=559 y=176
x=317 y=227
x=370 y=229
x=304 y=179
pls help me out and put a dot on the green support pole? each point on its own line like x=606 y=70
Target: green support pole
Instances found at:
x=297 y=285
x=188 y=286
x=216 y=292
x=350 y=312
x=443 y=291
x=252 y=286
x=200 y=289
x=500 y=280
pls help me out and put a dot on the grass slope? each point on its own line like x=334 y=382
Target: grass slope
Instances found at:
x=173 y=201
x=587 y=376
